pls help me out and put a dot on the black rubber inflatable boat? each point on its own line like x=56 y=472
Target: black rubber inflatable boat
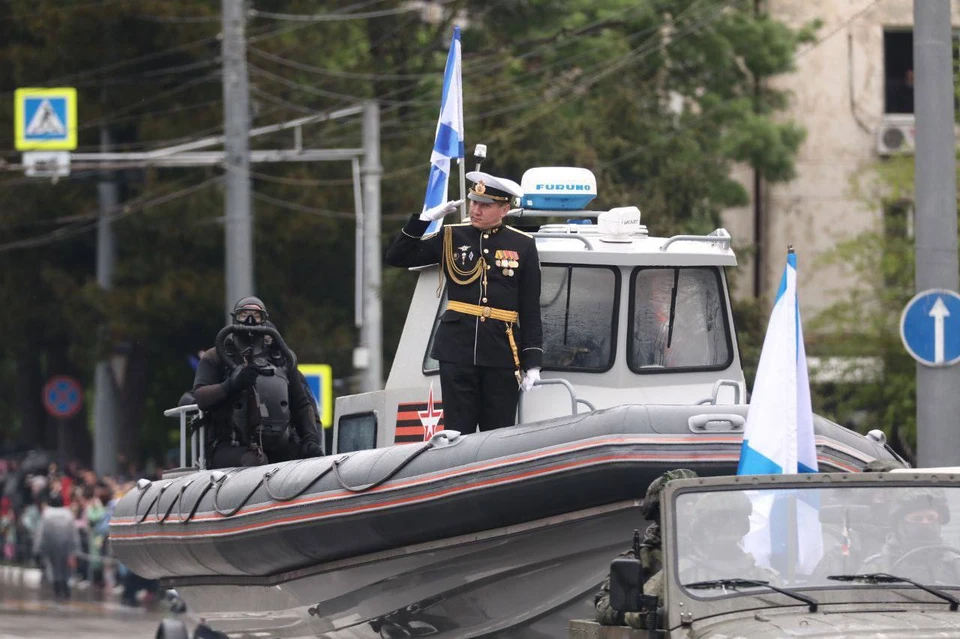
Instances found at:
x=269 y=520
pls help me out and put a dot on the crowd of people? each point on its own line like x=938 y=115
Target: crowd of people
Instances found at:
x=56 y=518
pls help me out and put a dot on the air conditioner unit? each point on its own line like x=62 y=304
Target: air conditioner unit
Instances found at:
x=896 y=134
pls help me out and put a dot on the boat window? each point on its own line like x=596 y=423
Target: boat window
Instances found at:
x=578 y=305
x=678 y=320
x=357 y=432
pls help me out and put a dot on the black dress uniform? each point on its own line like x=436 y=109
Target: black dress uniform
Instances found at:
x=491 y=328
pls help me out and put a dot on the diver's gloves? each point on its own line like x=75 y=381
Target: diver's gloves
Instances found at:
x=242 y=378
x=441 y=210
x=311 y=449
x=529 y=377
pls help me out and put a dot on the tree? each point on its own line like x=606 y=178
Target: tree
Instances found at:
x=866 y=323
x=657 y=98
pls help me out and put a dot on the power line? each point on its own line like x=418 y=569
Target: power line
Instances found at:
x=835 y=30
x=334 y=17
x=118 y=213
x=325 y=213
x=62 y=9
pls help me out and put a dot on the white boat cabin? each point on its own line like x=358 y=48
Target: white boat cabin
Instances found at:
x=627 y=319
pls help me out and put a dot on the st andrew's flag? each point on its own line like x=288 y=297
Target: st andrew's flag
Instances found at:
x=448 y=143
x=778 y=438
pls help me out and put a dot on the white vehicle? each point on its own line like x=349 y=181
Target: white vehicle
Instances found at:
x=408 y=529
x=627 y=318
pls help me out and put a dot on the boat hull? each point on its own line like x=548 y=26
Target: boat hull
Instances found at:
x=507 y=532
x=263 y=521
x=524 y=581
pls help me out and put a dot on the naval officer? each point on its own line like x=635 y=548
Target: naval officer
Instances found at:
x=490 y=339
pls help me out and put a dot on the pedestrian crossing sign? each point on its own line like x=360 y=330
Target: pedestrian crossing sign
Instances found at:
x=45 y=119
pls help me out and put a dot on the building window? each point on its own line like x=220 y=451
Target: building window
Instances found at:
x=898 y=71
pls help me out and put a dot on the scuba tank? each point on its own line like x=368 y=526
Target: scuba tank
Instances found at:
x=261 y=414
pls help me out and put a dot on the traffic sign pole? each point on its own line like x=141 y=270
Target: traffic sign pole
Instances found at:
x=938 y=399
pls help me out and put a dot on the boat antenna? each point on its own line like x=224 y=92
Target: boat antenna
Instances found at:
x=480 y=153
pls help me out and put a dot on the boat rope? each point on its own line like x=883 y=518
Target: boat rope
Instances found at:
x=359 y=489
x=176 y=499
x=220 y=483
x=196 y=503
x=302 y=489
x=218 y=480
x=136 y=508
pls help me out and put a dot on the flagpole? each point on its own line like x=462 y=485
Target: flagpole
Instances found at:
x=463 y=189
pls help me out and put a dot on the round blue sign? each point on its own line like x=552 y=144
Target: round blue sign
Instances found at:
x=930 y=327
x=62 y=396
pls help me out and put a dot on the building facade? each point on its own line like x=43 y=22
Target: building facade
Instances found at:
x=853 y=93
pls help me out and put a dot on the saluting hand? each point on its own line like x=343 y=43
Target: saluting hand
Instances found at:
x=441 y=210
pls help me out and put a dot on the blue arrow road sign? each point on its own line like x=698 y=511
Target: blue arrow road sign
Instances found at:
x=930 y=327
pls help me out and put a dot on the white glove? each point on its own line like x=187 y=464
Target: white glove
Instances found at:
x=532 y=375
x=440 y=211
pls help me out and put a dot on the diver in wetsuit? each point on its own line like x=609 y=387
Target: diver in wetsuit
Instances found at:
x=261 y=410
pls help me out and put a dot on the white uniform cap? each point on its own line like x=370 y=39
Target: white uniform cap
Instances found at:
x=488 y=188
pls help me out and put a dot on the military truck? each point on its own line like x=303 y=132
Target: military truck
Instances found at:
x=825 y=555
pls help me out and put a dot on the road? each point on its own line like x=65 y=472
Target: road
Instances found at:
x=25 y=614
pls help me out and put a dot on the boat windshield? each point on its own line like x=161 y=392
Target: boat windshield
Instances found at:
x=678 y=320
x=578 y=307
x=800 y=538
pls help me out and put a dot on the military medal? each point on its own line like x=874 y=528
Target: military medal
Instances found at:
x=463 y=254
x=506 y=272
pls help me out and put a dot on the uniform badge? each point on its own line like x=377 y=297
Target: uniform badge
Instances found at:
x=463 y=254
x=479 y=188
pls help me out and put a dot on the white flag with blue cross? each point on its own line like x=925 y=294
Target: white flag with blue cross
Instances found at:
x=448 y=143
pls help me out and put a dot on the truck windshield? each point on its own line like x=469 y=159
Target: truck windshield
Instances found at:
x=808 y=537
x=678 y=320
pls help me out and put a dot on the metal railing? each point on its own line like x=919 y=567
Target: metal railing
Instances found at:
x=564 y=236
x=739 y=396
x=574 y=400
x=719 y=236
x=197 y=438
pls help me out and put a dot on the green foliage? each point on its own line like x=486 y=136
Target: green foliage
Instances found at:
x=866 y=322
x=658 y=98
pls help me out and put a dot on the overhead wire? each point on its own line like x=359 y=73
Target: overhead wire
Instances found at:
x=118 y=213
x=634 y=56
x=835 y=30
x=490 y=93
x=432 y=124
x=334 y=17
x=312 y=210
x=64 y=8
